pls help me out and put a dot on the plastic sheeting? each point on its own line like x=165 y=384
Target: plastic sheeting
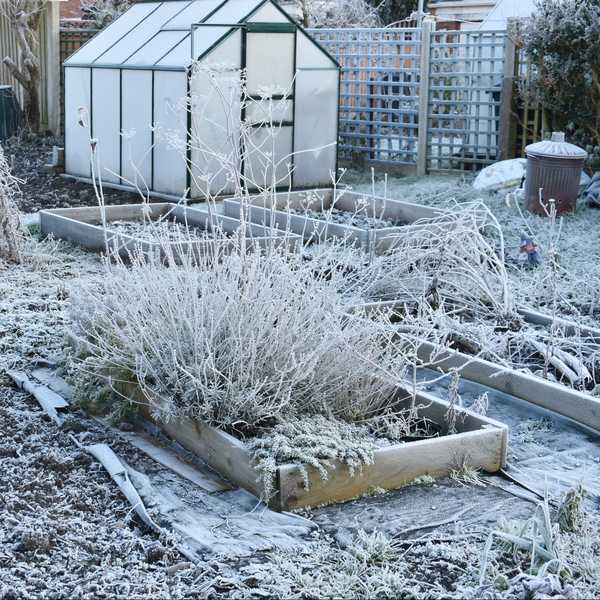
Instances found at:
x=178 y=56
x=310 y=56
x=316 y=127
x=106 y=92
x=156 y=48
x=270 y=111
x=77 y=138
x=101 y=42
x=268 y=14
x=194 y=13
x=233 y=12
x=143 y=32
x=216 y=116
x=268 y=149
x=170 y=126
x=136 y=140
x=270 y=62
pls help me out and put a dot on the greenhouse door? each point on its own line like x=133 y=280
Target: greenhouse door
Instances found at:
x=270 y=51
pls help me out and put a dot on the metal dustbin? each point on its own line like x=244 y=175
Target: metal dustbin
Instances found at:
x=554 y=166
x=9 y=112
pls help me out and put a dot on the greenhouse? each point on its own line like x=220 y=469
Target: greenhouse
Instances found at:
x=159 y=89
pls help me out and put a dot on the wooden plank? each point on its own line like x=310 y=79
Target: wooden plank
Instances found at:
x=580 y=407
x=568 y=326
x=506 y=97
x=264 y=211
x=424 y=72
x=51 y=55
x=480 y=440
x=83 y=226
x=169 y=459
x=307 y=228
x=222 y=452
x=393 y=467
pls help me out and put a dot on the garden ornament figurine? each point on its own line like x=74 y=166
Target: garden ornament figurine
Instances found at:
x=530 y=248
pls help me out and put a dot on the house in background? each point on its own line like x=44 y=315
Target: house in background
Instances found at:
x=478 y=14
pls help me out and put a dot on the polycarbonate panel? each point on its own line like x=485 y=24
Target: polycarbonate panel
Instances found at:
x=141 y=34
x=156 y=48
x=205 y=37
x=136 y=137
x=269 y=111
x=270 y=63
x=215 y=131
x=310 y=56
x=77 y=138
x=194 y=13
x=315 y=127
x=227 y=54
x=268 y=14
x=268 y=149
x=179 y=56
x=113 y=33
x=106 y=93
x=233 y=12
x=170 y=121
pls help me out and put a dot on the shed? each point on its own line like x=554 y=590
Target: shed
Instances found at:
x=136 y=78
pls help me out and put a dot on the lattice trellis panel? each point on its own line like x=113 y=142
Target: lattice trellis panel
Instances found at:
x=379 y=91
x=465 y=83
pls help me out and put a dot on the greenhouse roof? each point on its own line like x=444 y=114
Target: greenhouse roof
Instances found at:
x=159 y=35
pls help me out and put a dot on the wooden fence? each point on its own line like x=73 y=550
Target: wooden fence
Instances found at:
x=422 y=99
x=49 y=65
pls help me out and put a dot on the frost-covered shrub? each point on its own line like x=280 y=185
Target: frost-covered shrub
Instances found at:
x=11 y=237
x=451 y=259
x=243 y=343
x=315 y=441
x=104 y=12
x=562 y=42
x=338 y=13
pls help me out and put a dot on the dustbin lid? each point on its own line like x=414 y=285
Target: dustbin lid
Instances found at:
x=556 y=147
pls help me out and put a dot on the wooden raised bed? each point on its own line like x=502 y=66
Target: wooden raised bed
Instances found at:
x=573 y=404
x=263 y=210
x=480 y=441
x=83 y=226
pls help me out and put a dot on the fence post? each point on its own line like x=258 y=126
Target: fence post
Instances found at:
x=427 y=26
x=51 y=54
x=506 y=97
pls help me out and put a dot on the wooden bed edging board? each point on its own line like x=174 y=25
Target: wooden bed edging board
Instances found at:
x=83 y=226
x=568 y=327
x=260 y=210
x=530 y=315
x=481 y=441
x=578 y=406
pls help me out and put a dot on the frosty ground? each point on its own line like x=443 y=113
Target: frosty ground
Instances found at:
x=68 y=533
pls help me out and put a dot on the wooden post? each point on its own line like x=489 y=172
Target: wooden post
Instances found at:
x=507 y=149
x=52 y=57
x=427 y=26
